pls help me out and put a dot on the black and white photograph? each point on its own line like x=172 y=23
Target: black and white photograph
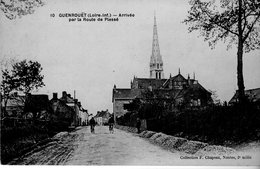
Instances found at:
x=130 y=82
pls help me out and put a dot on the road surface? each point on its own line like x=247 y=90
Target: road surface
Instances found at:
x=102 y=148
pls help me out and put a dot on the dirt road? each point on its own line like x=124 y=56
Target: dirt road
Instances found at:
x=121 y=148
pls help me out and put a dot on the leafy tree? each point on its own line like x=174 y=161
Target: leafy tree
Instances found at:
x=233 y=21
x=14 y=8
x=8 y=83
x=22 y=76
x=214 y=97
x=28 y=75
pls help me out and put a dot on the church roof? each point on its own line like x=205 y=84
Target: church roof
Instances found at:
x=125 y=93
x=177 y=78
x=146 y=82
x=168 y=93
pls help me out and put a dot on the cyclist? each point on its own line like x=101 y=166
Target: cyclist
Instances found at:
x=92 y=123
x=111 y=124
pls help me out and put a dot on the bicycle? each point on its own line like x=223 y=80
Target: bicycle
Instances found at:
x=92 y=129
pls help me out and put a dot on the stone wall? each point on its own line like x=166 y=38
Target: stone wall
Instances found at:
x=118 y=107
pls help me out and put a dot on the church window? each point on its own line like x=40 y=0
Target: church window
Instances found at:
x=156 y=75
x=160 y=75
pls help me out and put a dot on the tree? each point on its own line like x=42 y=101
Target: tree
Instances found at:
x=8 y=83
x=28 y=75
x=233 y=21
x=214 y=97
x=21 y=76
x=14 y=8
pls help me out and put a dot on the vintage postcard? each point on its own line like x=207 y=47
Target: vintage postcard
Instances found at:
x=130 y=82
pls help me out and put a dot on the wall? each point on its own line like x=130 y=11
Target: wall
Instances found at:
x=118 y=107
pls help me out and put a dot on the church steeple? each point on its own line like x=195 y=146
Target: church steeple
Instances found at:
x=156 y=63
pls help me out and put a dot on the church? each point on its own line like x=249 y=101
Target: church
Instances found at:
x=178 y=87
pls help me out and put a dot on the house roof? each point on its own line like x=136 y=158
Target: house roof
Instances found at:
x=252 y=94
x=15 y=101
x=102 y=114
x=37 y=102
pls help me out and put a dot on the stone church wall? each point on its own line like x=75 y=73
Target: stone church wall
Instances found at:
x=118 y=107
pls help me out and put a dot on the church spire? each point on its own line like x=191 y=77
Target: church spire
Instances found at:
x=156 y=63
x=155 y=47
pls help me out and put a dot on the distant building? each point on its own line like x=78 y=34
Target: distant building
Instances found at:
x=252 y=94
x=26 y=107
x=188 y=91
x=61 y=112
x=102 y=117
x=14 y=105
x=70 y=107
x=37 y=106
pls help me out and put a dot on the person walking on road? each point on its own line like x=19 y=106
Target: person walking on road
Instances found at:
x=111 y=124
x=138 y=125
x=92 y=123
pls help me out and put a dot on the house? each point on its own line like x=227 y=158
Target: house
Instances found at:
x=83 y=115
x=30 y=106
x=14 y=105
x=252 y=94
x=102 y=117
x=69 y=108
x=178 y=89
x=21 y=108
x=37 y=106
x=61 y=112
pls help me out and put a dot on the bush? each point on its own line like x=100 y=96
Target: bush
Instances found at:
x=216 y=124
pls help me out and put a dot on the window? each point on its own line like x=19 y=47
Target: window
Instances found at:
x=157 y=65
x=199 y=103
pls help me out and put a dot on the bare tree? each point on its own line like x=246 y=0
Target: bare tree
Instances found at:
x=14 y=8
x=236 y=22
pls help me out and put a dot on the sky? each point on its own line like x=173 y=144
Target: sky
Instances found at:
x=90 y=57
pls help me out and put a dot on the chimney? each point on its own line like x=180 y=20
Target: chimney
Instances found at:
x=64 y=94
x=55 y=96
x=189 y=81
